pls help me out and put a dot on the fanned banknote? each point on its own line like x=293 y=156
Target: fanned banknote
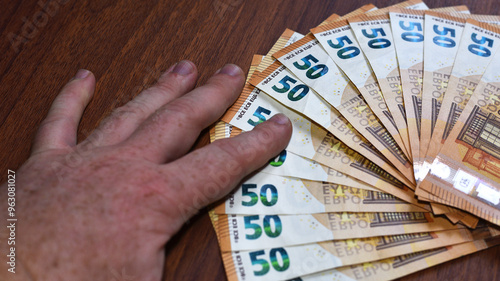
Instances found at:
x=249 y=232
x=271 y=194
x=400 y=266
x=277 y=81
x=312 y=65
x=408 y=35
x=341 y=45
x=443 y=33
x=374 y=36
x=394 y=161
x=466 y=171
x=479 y=43
x=340 y=253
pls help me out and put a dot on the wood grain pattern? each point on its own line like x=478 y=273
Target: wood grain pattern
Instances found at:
x=127 y=44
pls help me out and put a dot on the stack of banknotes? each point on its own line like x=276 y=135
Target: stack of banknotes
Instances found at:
x=394 y=161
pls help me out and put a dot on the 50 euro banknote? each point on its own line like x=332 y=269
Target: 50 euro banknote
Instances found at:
x=443 y=33
x=478 y=45
x=270 y=194
x=239 y=232
x=279 y=83
x=339 y=42
x=294 y=261
x=408 y=35
x=308 y=61
x=466 y=172
x=400 y=266
x=374 y=36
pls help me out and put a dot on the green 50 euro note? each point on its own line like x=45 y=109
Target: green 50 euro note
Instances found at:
x=400 y=266
x=271 y=194
x=293 y=261
x=237 y=232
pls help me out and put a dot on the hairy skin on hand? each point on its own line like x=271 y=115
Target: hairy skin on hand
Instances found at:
x=104 y=209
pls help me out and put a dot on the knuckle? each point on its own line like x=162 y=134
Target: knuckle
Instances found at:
x=133 y=109
x=138 y=106
x=54 y=120
x=184 y=109
x=71 y=92
x=233 y=152
x=119 y=117
x=167 y=85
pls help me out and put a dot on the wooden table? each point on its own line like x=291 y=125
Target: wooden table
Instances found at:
x=127 y=44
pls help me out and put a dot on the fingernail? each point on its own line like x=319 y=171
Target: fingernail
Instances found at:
x=82 y=73
x=183 y=68
x=280 y=119
x=230 y=69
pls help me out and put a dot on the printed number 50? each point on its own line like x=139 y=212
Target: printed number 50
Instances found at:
x=312 y=72
x=376 y=43
x=273 y=257
x=257 y=229
x=264 y=198
x=259 y=113
x=347 y=52
x=478 y=49
x=297 y=93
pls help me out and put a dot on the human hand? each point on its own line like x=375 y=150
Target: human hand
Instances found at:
x=110 y=203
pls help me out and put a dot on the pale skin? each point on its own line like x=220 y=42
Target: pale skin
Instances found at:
x=104 y=209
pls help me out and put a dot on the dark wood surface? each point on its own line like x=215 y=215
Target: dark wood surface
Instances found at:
x=127 y=44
